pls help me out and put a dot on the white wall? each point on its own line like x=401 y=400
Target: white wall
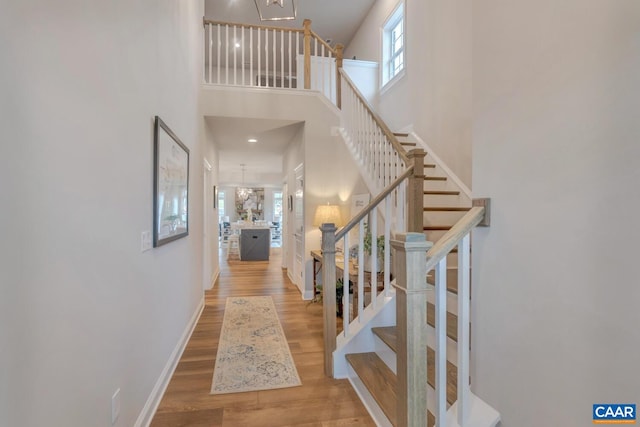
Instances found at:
x=434 y=96
x=212 y=156
x=82 y=310
x=556 y=146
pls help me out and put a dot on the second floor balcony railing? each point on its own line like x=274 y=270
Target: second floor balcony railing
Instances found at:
x=271 y=57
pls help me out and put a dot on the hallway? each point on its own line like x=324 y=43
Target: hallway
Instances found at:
x=320 y=401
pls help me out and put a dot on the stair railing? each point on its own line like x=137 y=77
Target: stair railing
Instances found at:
x=411 y=306
x=353 y=269
x=380 y=156
x=272 y=57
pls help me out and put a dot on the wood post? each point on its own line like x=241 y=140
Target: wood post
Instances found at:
x=339 y=57
x=415 y=192
x=307 y=53
x=329 y=294
x=411 y=324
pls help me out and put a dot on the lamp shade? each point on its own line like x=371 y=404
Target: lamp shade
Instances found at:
x=326 y=214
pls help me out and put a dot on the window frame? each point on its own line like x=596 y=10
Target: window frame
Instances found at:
x=389 y=54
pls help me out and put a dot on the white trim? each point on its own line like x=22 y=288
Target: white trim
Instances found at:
x=278 y=91
x=391 y=83
x=359 y=63
x=207 y=165
x=151 y=406
x=214 y=277
x=466 y=190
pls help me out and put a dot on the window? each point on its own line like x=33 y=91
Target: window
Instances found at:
x=221 y=207
x=393 y=45
x=277 y=206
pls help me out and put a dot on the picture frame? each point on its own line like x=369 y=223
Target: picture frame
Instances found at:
x=170 y=185
x=215 y=197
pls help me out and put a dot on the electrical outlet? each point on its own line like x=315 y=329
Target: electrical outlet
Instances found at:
x=145 y=241
x=115 y=406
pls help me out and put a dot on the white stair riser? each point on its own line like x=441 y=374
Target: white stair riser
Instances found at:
x=388 y=356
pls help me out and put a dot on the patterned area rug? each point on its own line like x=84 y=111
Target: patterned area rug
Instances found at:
x=253 y=353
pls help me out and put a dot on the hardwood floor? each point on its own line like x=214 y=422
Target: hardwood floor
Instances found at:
x=319 y=402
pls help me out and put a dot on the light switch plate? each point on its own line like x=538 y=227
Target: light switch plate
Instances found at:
x=145 y=241
x=115 y=406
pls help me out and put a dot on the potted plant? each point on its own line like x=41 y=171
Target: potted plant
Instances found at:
x=367 y=247
x=339 y=295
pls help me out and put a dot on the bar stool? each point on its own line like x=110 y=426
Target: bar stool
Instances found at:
x=233 y=247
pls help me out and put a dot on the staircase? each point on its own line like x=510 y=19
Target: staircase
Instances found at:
x=446 y=218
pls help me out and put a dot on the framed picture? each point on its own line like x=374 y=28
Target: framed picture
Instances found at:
x=170 y=186
x=215 y=197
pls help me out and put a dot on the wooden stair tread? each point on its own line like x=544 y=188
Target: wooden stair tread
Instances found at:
x=452 y=321
x=446 y=209
x=436 y=227
x=435 y=178
x=388 y=335
x=441 y=192
x=401 y=134
x=381 y=382
x=452 y=280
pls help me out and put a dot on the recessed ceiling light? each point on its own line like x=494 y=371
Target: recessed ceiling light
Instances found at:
x=252 y=140
x=237 y=44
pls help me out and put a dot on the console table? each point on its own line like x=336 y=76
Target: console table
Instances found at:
x=353 y=276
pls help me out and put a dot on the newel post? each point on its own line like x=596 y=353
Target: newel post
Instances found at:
x=329 y=294
x=411 y=323
x=339 y=58
x=415 y=192
x=307 y=53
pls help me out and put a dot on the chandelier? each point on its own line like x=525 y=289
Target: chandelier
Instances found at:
x=243 y=192
x=286 y=12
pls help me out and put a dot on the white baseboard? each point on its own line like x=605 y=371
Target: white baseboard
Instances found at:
x=150 y=407
x=214 y=277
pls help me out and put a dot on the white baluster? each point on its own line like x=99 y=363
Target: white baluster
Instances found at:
x=387 y=244
x=275 y=60
x=322 y=66
x=210 y=70
x=251 y=83
x=243 y=59
x=266 y=57
x=374 y=257
x=464 y=293
x=219 y=49
x=441 y=342
x=346 y=318
x=259 y=81
x=226 y=57
x=235 y=56
x=290 y=54
x=361 y=269
x=282 y=74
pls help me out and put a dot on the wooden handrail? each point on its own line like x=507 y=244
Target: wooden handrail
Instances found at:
x=390 y=136
x=326 y=45
x=375 y=202
x=451 y=238
x=259 y=27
